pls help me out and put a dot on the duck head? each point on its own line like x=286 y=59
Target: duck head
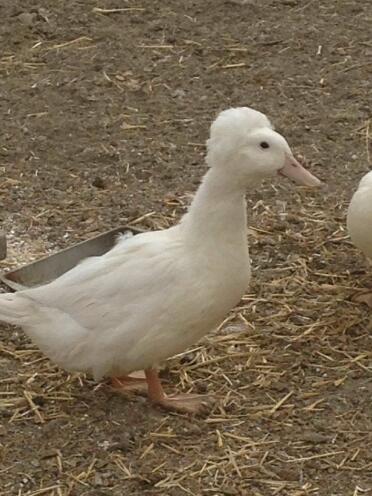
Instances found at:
x=243 y=141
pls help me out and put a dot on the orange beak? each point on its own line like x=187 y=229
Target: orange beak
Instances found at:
x=295 y=171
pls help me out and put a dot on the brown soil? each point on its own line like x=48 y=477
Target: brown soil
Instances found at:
x=103 y=120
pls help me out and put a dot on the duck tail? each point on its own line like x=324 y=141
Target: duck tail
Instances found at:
x=13 y=308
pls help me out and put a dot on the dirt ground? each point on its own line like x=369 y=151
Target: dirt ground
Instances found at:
x=104 y=116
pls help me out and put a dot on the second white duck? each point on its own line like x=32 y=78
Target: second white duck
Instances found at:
x=359 y=224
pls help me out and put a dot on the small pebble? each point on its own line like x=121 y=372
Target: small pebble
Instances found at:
x=26 y=18
x=98 y=182
x=179 y=93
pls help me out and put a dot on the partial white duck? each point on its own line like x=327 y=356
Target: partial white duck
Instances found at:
x=359 y=223
x=156 y=293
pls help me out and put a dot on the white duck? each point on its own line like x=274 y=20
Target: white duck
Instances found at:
x=359 y=223
x=156 y=293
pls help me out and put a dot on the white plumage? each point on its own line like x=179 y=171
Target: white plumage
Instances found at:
x=156 y=293
x=359 y=224
x=359 y=216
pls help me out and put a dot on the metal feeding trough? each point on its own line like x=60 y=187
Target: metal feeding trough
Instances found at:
x=2 y=245
x=49 y=268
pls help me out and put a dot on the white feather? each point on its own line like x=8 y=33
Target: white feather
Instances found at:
x=359 y=216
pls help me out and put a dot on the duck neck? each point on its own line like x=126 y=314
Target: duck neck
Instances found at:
x=218 y=210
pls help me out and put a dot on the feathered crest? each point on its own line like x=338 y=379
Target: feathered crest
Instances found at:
x=230 y=128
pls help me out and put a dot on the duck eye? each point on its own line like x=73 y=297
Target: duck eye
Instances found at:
x=264 y=144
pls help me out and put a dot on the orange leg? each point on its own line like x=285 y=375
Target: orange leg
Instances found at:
x=135 y=383
x=185 y=403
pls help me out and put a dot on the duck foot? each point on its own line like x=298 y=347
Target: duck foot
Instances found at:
x=134 y=383
x=185 y=403
x=363 y=298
